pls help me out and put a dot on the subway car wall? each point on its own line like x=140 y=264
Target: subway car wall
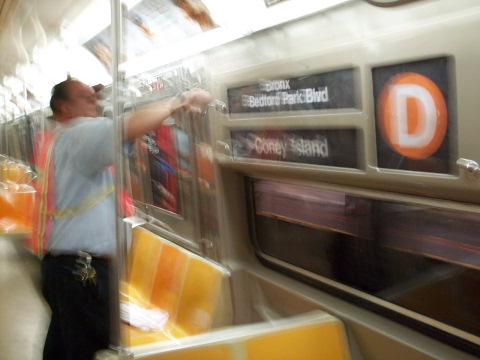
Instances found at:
x=347 y=140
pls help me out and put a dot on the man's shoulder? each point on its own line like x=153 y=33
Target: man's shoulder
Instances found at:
x=82 y=125
x=86 y=121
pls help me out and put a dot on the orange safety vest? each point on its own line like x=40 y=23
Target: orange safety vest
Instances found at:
x=44 y=210
x=44 y=186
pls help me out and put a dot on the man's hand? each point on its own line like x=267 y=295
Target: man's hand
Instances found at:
x=197 y=100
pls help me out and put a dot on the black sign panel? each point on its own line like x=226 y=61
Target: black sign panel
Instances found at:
x=414 y=118
x=331 y=147
x=332 y=90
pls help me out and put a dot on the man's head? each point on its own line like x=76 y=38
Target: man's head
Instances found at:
x=71 y=99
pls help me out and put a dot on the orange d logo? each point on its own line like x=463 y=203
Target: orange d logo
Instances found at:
x=412 y=115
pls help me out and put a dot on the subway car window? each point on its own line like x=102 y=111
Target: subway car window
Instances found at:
x=409 y=255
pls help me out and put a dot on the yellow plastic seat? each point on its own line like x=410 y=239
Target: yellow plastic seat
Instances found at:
x=15 y=173
x=145 y=259
x=311 y=336
x=211 y=352
x=199 y=297
x=165 y=276
x=321 y=341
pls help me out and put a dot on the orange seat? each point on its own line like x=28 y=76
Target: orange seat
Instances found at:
x=210 y=352
x=194 y=293
x=167 y=285
x=165 y=276
x=319 y=341
x=16 y=208
x=311 y=336
x=144 y=263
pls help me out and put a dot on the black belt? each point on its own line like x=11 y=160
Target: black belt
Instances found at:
x=75 y=257
x=82 y=265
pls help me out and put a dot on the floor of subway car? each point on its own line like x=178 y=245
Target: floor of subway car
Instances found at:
x=24 y=315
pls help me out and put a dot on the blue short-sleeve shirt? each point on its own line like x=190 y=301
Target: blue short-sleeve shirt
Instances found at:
x=83 y=155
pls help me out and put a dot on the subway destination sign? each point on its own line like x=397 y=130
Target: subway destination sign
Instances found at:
x=332 y=90
x=330 y=147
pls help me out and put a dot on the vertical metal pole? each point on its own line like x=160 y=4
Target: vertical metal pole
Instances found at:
x=7 y=131
x=118 y=263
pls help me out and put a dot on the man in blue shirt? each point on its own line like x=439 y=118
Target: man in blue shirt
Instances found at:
x=82 y=225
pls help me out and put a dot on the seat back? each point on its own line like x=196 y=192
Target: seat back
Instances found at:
x=201 y=289
x=144 y=259
x=194 y=291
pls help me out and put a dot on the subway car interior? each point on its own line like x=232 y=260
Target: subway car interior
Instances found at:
x=324 y=206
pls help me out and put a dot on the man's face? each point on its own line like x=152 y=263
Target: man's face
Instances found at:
x=81 y=101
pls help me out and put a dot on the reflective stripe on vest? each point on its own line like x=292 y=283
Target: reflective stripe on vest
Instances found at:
x=47 y=171
x=86 y=204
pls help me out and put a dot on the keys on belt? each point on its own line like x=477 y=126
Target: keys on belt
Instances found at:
x=84 y=269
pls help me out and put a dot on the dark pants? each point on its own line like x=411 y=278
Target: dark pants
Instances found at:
x=80 y=323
